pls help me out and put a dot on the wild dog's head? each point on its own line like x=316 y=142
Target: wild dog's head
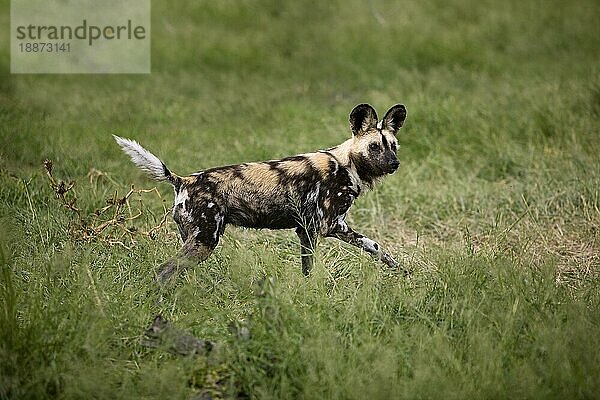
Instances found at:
x=374 y=145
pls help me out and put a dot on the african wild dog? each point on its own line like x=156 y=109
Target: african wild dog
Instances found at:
x=310 y=192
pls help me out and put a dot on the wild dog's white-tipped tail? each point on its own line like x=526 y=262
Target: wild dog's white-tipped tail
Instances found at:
x=147 y=161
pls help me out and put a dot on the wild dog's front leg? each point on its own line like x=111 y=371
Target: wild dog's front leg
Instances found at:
x=308 y=239
x=343 y=232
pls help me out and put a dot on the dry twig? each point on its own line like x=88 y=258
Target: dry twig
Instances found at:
x=112 y=223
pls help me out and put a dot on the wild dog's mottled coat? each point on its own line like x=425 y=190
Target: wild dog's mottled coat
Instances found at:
x=309 y=192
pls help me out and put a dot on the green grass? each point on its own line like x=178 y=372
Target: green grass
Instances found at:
x=495 y=207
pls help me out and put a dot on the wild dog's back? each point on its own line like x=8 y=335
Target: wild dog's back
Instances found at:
x=273 y=194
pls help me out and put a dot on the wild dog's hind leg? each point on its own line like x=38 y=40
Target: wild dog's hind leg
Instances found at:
x=192 y=253
x=201 y=228
x=308 y=238
x=343 y=232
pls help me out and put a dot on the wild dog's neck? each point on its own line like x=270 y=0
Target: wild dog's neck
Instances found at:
x=366 y=174
x=342 y=152
x=359 y=173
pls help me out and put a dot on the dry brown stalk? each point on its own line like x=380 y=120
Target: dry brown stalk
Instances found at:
x=111 y=224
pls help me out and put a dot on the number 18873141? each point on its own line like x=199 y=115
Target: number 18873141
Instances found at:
x=45 y=47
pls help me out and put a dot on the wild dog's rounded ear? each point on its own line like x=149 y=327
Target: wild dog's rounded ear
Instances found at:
x=394 y=118
x=362 y=117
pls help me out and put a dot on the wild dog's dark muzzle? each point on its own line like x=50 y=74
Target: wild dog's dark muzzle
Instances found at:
x=393 y=166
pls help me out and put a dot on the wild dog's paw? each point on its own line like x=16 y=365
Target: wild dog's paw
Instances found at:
x=389 y=260
x=166 y=270
x=392 y=263
x=173 y=266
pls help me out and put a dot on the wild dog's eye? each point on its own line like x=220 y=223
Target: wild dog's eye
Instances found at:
x=374 y=146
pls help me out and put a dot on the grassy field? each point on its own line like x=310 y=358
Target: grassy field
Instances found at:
x=495 y=208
